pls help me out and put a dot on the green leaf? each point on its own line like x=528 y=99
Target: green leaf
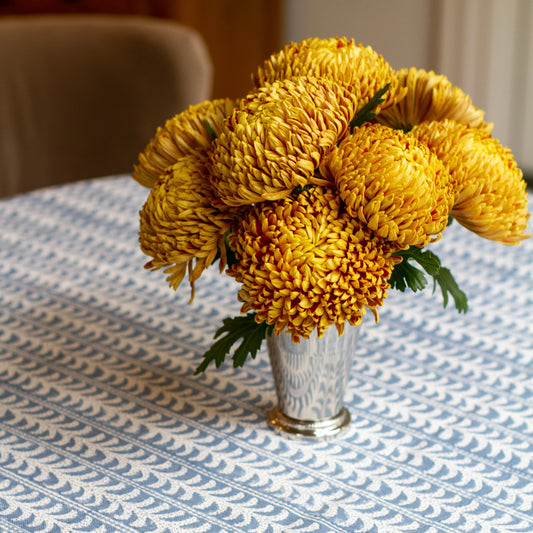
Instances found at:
x=425 y=258
x=447 y=284
x=244 y=327
x=231 y=258
x=299 y=189
x=406 y=275
x=366 y=113
x=210 y=130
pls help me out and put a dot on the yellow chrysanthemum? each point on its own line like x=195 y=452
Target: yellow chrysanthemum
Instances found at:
x=181 y=135
x=430 y=96
x=304 y=263
x=179 y=223
x=490 y=192
x=392 y=183
x=276 y=139
x=360 y=69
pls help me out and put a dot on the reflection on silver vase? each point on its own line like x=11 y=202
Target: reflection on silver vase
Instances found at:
x=310 y=379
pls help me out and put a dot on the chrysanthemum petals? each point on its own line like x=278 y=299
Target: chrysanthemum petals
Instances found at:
x=181 y=135
x=490 y=195
x=277 y=138
x=392 y=183
x=430 y=97
x=304 y=263
x=179 y=223
x=358 y=68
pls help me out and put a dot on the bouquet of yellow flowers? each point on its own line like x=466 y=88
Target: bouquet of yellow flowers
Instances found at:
x=319 y=190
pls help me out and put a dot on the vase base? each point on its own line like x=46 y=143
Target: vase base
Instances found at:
x=317 y=429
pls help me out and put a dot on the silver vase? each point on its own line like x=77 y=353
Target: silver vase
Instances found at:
x=310 y=379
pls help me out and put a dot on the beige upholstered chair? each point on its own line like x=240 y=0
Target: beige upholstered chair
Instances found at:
x=81 y=95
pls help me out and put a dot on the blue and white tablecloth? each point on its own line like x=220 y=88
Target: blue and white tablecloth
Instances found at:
x=104 y=428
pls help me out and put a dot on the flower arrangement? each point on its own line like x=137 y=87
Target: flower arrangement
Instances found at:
x=319 y=190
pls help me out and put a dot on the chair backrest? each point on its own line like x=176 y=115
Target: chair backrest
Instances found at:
x=81 y=95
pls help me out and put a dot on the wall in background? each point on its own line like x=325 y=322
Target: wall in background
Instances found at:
x=403 y=32
x=483 y=46
x=486 y=47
